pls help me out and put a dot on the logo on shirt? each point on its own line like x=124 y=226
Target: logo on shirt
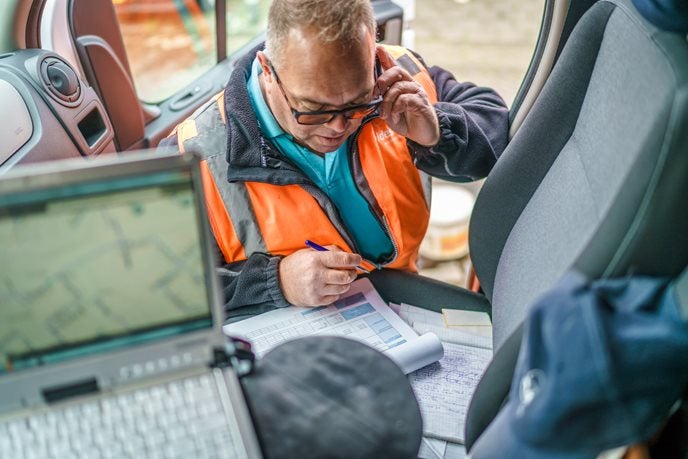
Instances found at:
x=386 y=134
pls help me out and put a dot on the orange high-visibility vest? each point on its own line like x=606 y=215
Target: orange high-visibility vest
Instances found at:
x=250 y=217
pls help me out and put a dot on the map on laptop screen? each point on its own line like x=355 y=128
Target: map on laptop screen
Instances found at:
x=89 y=272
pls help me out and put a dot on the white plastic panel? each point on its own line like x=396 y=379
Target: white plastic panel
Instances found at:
x=16 y=127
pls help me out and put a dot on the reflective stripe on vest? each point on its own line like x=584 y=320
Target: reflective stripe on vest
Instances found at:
x=240 y=226
x=412 y=65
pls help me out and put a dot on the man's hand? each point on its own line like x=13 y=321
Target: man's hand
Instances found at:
x=405 y=105
x=312 y=278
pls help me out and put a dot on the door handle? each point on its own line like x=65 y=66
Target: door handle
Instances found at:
x=189 y=96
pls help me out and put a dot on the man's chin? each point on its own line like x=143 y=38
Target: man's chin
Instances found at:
x=326 y=145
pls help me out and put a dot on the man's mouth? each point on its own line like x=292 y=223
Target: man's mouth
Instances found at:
x=336 y=139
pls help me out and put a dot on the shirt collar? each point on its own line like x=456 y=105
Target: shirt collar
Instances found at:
x=266 y=119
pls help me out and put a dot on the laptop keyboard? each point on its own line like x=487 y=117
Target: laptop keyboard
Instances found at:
x=183 y=418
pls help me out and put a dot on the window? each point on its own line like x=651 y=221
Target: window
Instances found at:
x=487 y=42
x=170 y=43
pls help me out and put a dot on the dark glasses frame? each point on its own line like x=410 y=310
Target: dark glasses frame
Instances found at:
x=317 y=117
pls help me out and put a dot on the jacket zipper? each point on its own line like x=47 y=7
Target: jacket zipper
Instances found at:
x=380 y=218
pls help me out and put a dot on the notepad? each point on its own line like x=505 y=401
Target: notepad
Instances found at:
x=471 y=322
x=444 y=390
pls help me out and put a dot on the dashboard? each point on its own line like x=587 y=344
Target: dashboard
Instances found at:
x=48 y=112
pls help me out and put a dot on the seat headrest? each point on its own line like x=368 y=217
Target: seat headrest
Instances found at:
x=671 y=15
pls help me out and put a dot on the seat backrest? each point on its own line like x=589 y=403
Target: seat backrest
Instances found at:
x=598 y=172
x=596 y=178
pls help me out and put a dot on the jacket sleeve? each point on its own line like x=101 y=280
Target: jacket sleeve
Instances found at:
x=169 y=143
x=474 y=128
x=251 y=286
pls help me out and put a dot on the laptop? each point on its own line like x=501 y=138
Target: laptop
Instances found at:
x=110 y=319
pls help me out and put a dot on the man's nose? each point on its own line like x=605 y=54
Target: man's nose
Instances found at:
x=338 y=123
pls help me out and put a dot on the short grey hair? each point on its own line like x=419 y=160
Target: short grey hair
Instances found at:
x=334 y=21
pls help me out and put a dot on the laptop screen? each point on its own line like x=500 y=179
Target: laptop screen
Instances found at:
x=98 y=266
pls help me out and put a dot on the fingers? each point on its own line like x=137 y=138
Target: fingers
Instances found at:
x=405 y=105
x=340 y=260
x=340 y=276
x=400 y=91
x=402 y=96
x=334 y=290
x=391 y=78
x=313 y=278
x=337 y=258
x=391 y=72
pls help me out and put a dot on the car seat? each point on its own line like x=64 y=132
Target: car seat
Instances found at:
x=595 y=179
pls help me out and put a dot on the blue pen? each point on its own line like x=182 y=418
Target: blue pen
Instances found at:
x=320 y=248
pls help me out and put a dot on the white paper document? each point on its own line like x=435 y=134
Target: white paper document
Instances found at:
x=452 y=335
x=413 y=315
x=361 y=315
x=432 y=448
x=444 y=390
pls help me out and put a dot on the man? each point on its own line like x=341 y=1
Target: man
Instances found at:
x=318 y=137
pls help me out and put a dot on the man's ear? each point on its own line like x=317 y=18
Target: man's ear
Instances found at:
x=264 y=64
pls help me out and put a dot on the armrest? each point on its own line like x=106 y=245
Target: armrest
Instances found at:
x=404 y=287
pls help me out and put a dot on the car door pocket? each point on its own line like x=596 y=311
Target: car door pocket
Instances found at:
x=189 y=96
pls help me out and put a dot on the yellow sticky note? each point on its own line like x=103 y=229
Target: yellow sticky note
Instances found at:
x=459 y=318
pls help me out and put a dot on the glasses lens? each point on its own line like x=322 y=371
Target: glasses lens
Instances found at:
x=360 y=112
x=325 y=117
x=312 y=119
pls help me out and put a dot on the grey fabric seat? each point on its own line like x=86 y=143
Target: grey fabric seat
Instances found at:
x=598 y=171
x=595 y=179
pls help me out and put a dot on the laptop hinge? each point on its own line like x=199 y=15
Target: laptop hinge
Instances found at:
x=58 y=393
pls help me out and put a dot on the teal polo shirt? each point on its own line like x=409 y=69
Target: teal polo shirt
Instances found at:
x=330 y=173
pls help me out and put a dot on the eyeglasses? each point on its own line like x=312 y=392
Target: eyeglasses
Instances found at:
x=354 y=112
